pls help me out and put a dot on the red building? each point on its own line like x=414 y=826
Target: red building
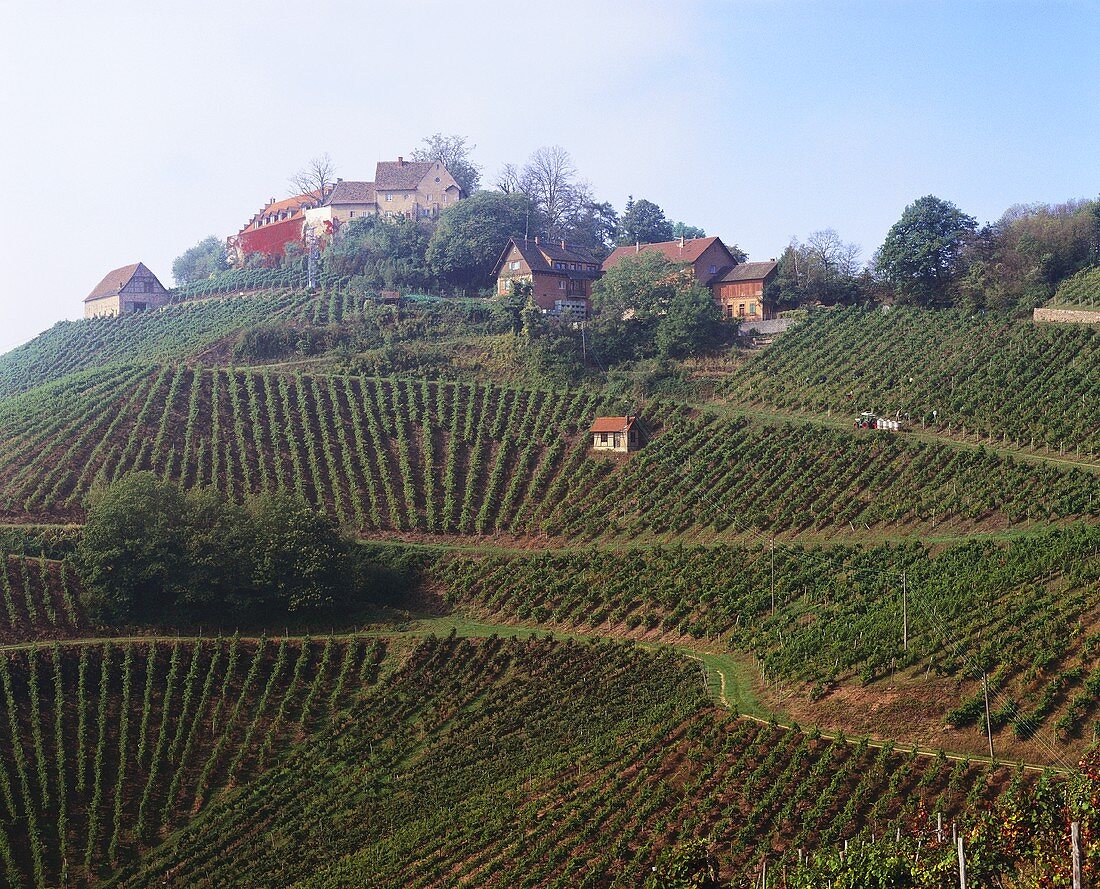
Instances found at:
x=279 y=223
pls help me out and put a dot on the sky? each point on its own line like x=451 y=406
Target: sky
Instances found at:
x=131 y=130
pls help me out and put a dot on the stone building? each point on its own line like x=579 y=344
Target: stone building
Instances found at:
x=124 y=291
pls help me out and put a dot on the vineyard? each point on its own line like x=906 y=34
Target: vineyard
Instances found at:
x=173 y=333
x=108 y=746
x=1007 y=381
x=1080 y=291
x=477 y=459
x=540 y=763
x=39 y=599
x=1024 y=611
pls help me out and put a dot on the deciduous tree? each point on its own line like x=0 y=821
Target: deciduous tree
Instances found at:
x=197 y=263
x=453 y=152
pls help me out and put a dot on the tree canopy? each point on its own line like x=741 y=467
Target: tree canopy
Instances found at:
x=197 y=263
x=470 y=235
x=151 y=551
x=453 y=152
x=920 y=257
x=643 y=222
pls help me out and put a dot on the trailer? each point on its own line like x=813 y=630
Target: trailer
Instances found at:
x=870 y=420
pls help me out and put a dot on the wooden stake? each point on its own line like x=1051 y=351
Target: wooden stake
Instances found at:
x=1075 y=835
x=988 y=724
x=962 y=865
x=771 y=560
x=904 y=616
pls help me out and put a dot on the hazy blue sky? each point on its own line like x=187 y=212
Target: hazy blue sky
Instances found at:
x=132 y=129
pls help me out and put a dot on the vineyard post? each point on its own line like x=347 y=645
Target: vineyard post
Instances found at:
x=939 y=827
x=988 y=724
x=771 y=569
x=962 y=865
x=1075 y=835
x=904 y=616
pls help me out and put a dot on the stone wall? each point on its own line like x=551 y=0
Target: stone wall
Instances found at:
x=772 y=326
x=1067 y=316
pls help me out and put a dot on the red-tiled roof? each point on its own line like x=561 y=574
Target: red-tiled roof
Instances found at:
x=293 y=207
x=750 y=271
x=114 y=281
x=612 y=424
x=687 y=250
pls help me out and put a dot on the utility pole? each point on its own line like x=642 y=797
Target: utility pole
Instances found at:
x=988 y=724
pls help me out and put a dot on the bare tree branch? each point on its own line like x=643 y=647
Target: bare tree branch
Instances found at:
x=317 y=178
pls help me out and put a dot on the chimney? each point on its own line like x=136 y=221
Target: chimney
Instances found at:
x=536 y=239
x=681 y=242
x=338 y=179
x=637 y=247
x=400 y=161
x=563 y=243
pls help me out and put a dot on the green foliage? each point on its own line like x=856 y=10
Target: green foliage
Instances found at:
x=387 y=254
x=648 y=305
x=150 y=550
x=920 y=256
x=689 y=866
x=643 y=222
x=205 y=259
x=470 y=235
x=690 y=232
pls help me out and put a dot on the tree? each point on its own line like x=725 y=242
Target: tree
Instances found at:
x=920 y=257
x=133 y=551
x=643 y=222
x=389 y=254
x=549 y=179
x=509 y=179
x=823 y=269
x=197 y=263
x=594 y=226
x=453 y=152
x=681 y=230
x=317 y=178
x=647 y=305
x=470 y=235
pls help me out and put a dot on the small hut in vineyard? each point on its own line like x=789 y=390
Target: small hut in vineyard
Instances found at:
x=620 y=434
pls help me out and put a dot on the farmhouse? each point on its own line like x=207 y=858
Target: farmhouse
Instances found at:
x=618 y=434
x=560 y=274
x=124 y=291
x=740 y=291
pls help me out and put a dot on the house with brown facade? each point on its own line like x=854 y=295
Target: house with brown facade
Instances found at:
x=560 y=274
x=618 y=434
x=125 y=291
x=740 y=291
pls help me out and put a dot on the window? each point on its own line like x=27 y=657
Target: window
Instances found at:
x=514 y=264
x=561 y=284
x=712 y=269
x=752 y=308
x=436 y=178
x=603 y=438
x=351 y=214
x=149 y=287
x=389 y=197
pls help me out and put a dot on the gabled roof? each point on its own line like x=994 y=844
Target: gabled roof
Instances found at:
x=540 y=256
x=612 y=424
x=750 y=271
x=353 y=193
x=400 y=175
x=114 y=281
x=687 y=250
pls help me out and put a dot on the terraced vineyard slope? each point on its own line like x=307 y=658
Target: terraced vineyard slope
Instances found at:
x=1025 y=611
x=478 y=459
x=39 y=599
x=540 y=763
x=1014 y=381
x=107 y=746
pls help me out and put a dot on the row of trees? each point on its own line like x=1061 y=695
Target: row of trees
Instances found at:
x=937 y=255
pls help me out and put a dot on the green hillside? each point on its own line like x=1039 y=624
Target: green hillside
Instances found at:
x=445 y=458
x=1025 y=384
x=1080 y=291
x=547 y=764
